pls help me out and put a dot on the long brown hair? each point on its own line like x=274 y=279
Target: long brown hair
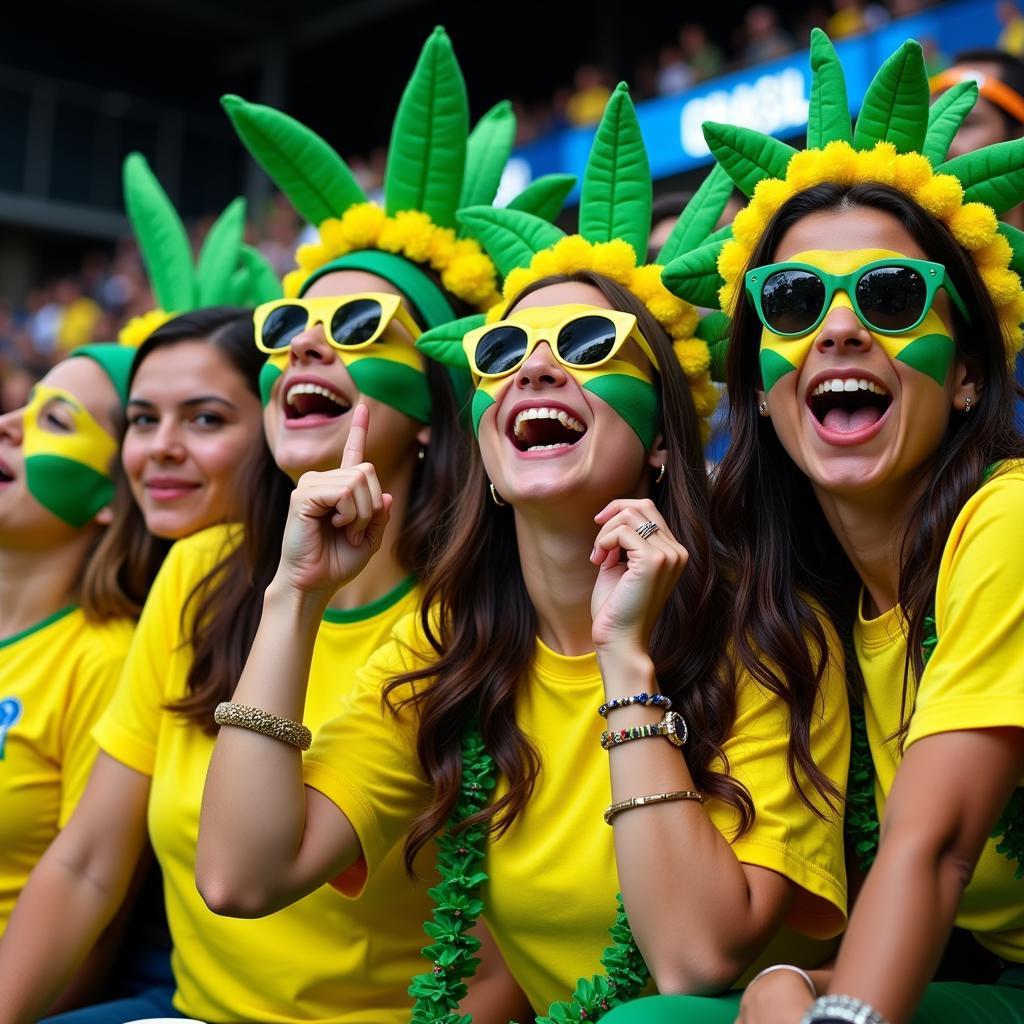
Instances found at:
x=228 y=601
x=478 y=618
x=774 y=537
x=127 y=558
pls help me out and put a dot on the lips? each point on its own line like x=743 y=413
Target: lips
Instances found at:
x=6 y=473
x=166 y=488
x=544 y=427
x=848 y=407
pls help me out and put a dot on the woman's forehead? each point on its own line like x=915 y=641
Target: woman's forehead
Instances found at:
x=861 y=227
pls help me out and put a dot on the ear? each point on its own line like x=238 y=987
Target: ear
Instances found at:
x=423 y=436
x=761 y=398
x=658 y=452
x=967 y=384
x=105 y=516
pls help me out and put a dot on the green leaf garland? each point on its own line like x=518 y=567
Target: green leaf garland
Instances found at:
x=828 y=118
x=544 y=197
x=747 y=155
x=487 y=151
x=945 y=116
x=894 y=105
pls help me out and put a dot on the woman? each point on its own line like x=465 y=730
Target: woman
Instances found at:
x=875 y=464
x=346 y=339
x=529 y=624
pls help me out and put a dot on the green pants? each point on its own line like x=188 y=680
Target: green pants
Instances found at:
x=944 y=1003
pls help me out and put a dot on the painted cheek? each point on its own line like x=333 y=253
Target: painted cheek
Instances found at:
x=273 y=368
x=392 y=374
x=627 y=390
x=927 y=349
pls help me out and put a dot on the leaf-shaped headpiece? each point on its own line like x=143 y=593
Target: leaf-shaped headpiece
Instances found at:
x=898 y=141
x=229 y=272
x=435 y=166
x=614 y=224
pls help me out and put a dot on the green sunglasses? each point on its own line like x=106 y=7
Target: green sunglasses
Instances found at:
x=891 y=296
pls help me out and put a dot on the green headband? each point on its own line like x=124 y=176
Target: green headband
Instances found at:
x=115 y=361
x=428 y=299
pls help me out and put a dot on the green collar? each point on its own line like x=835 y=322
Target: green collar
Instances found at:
x=42 y=624
x=368 y=611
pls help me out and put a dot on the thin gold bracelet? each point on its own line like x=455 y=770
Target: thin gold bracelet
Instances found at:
x=256 y=720
x=654 y=798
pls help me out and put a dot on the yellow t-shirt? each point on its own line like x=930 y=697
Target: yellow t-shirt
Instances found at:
x=553 y=880
x=322 y=959
x=55 y=680
x=974 y=679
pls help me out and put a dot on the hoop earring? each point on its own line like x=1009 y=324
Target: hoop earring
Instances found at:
x=496 y=497
x=763 y=408
x=968 y=403
x=661 y=474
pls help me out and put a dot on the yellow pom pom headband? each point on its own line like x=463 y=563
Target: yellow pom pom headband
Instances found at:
x=898 y=142
x=614 y=224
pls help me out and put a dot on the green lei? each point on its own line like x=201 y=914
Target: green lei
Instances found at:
x=461 y=854
x=862 y=829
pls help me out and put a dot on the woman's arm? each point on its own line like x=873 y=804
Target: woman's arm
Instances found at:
x=948 y=793
x=265 y=840
x=74 y=891
x=699 y=915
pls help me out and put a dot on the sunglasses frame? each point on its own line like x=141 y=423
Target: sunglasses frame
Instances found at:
x=933 y=274
x=321 y=311
x=625 y=328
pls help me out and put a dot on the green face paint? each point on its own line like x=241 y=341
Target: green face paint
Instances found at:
x=67 y=471
x=927 y=348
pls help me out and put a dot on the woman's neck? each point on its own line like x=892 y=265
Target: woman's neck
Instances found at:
x=555 y=558
x=35 y=583
x=870 y=529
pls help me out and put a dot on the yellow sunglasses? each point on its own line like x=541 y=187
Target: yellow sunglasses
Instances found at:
x=584 y=338
x=349 y=321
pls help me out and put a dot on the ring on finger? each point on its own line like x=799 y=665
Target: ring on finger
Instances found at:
x=644 y=530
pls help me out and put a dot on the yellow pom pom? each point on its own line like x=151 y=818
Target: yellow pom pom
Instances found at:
x=733 y=260
x=139 y=328
x=693 y=356
x=361 y=225
x=469 y=277
x=1003 y=285
x=311 y=257
x=518 y=278
x=997 y=253
x=973 y=225
x=686 y=324
x=442 y=248
x=293 y=282
x=645 y=282
x=332 y=237
x=727 y=296
x=568 y=255
x=749 y=224
x=547 y=264
x=705 y=396
x=771 y=193
x=840 y=160
x=877 y=164
x=666 y=308
x=408 y=229
x=940 y=195
x=615 y=259
x=912 y=170
x=806 y=169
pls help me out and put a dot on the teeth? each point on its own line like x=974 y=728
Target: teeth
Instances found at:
x=544 y=413
x=313 y=389
x=546 y=447
x=849 y=384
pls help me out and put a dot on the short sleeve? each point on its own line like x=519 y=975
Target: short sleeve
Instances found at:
x=787 y=836
x=364 y=759
x=94 y=685
x=975 y=676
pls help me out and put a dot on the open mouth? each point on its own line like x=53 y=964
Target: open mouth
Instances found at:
x=308 y=400
x=6 y=476
x=542 y=428
x=848 y=404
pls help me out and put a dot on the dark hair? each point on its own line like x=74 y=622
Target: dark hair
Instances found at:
x=478 y=618
x=1011 y=73
x=128 y=557
x=774 y=538
x=229 y=599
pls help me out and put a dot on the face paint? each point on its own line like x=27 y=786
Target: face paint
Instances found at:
x=67 y=472
x=928 y=348
x=391 y=372
x=629 y=390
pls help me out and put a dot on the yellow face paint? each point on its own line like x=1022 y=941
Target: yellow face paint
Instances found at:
x=928 y=348
x=627 y=388
x=67 y=471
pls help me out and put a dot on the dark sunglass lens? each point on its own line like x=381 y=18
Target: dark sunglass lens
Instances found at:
x=892 y=298
x=792 y=300
x=500 y=349
x=283 y=324
x=356 y=322
x=586 y=341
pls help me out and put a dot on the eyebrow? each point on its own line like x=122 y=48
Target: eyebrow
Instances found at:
x=188 y=403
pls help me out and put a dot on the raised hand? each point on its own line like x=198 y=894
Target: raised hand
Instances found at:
x=630 y=593
x=336 y=520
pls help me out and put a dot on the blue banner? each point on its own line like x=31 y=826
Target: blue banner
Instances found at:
x=771 y=97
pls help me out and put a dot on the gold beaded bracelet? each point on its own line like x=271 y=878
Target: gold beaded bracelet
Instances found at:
x=256 y=720
x=654 y=798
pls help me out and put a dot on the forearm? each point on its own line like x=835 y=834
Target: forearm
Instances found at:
x=254 y=804
x=715 y=923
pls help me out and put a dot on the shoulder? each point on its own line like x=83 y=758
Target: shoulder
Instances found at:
x=991 y=518
x=209 y=545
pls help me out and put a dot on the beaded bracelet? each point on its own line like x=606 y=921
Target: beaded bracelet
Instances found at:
x=257 y=720
x=672 y=727
x=842 y=1008
x=657 y=700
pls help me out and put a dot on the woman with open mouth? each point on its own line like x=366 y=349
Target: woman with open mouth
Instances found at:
x=563 y=714
x=875 y=467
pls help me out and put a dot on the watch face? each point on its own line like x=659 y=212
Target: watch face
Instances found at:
x=676 y=728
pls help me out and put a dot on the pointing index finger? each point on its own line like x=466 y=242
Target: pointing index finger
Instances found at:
x=355 y=446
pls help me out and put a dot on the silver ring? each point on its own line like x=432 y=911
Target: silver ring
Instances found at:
x=646 y=529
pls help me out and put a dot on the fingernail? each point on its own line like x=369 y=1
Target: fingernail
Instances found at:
x=357 y=540
x=593 y=552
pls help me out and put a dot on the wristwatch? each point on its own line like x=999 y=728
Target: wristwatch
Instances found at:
x=672 y=727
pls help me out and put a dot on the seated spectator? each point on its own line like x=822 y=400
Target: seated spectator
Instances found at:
x=590 y=94
x=703 y=56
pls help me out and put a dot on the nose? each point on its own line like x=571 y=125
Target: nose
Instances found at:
x=541 y=369
x=311 y=346
x=842 y=330
x=166 y=444
x=12 y=427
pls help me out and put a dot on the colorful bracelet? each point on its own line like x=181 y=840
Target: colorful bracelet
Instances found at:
x=657 y=700
x=257 y=720
x=654 y=798
x=672 y=727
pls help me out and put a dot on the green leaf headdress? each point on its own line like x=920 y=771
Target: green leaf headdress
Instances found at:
x=229 y=272
x=435 y=166
x=614 y=224
x=899 y=142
